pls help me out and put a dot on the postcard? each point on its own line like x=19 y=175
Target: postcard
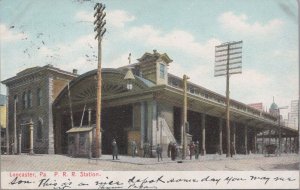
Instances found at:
x=199 y=94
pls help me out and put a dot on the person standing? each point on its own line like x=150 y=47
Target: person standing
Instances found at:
x=173 y=151
x=197 y=150
x=146 y=149
x=159 y=152
x=231 y=149
x=114 y=149
x=133 y=148
x=192 y=149
x=169 y=149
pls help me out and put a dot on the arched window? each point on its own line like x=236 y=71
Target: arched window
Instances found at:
x=39 y=131
x=39 y=97
x=29 y=97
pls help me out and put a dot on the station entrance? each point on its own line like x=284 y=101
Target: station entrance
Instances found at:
x=115 y=122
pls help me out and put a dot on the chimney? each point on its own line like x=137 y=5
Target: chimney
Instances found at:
x=75 y=71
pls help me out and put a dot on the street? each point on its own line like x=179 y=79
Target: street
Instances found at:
x=45 y=162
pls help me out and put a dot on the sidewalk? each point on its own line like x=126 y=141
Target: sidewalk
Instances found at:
x=152 y=161
x=46 y=162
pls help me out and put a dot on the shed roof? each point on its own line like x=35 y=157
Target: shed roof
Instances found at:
x=80 y=129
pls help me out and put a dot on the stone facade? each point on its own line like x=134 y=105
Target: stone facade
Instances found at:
x=32 y=92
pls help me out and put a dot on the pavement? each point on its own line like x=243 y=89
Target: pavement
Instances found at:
x=212 y=162
x=151 y=161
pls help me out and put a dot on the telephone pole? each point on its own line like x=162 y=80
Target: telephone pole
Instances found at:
x=184 y=125
x=99 y=28
x=228 y=61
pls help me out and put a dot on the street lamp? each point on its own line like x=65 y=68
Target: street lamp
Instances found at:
x=279 y=126
x=129 y=77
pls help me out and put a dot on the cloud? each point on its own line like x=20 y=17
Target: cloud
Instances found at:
x=80 y=64
x=240 y=24
x=286 y=55
x=115 y=18
x=119 y=18
x=84 y=16
x=251 y=79
x=176 y=39
x=8 y=35
x=119 y=61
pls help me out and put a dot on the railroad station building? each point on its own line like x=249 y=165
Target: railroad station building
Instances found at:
x=151 y=110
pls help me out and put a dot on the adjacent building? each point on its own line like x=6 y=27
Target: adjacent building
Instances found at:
x=293 y=115
x=3 y=115
x=30 y=97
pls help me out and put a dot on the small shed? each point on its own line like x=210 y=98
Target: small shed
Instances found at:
x=80 y=141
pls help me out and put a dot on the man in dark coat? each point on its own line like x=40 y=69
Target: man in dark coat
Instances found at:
x=159 y=152
x=231 y=149
x=133 y=148
x=114 y=149
x=147 y=149
x=169 y=149
x=192 y=149
x=197 y=150
x=173 y=151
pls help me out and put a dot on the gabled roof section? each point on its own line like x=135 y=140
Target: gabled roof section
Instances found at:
x=34 y=70
x=152 y=57
x=28 y=71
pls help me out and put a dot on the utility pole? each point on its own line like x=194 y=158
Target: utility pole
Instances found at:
x=227 y=105
x=298 y=138
x=99 y=28
x=228 y=61
x=70 y=105
x=31 y=136
x=185 y=78
x=15 y=125
x=279 y=127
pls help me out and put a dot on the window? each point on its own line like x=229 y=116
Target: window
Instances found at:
x=39 y=97
x=16 y=101
x=162 y=71
x=24 y=100
x=16 y=98
x=39 y=130
x=29 y=97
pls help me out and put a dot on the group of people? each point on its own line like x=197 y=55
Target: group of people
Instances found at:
x=193 y=149
x=173 y=150
x=134 y=149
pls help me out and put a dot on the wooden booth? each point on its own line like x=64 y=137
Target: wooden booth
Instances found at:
x=80 y=141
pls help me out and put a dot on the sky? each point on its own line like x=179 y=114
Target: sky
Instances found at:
x=61 y=33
